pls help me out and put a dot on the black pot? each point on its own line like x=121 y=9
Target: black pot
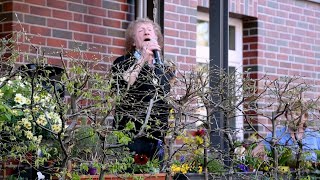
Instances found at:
x=188 y=176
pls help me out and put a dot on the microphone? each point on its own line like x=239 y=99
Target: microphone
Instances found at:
x=156 y=54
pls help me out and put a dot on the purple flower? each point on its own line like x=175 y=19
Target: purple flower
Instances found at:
x=243 y=168
x=182 y=159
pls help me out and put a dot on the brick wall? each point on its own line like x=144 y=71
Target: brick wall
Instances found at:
x=280 y=37
x=180 y=20
x=94 y=26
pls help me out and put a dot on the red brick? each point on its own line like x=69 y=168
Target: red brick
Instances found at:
x=97 y=11
x=7 y=6
x=118 y=42
x=78 y=27
x=93 y=2
x=21 y=7
x=7 y=26
x=250 y=54
x=124 y=7
x=38 y=40
x=78 y=17
x=91 y=56
x=57 y=4
x=55 y=61
x=273 y=63
x=92 y=20
x=55 y=23
x=102 y=40
x=115 y=50
x=65 y=15
x=38 y=2
x=171 y=49
x=116 y=15
x=250 y=39
x=40 y=11
x=40 y=30
x=97 y=30
x=56 y=42
x=82 y=37
x=169 y=32
x=112 y=23
x=282 y=56
x=184 y=35
x=97 y=48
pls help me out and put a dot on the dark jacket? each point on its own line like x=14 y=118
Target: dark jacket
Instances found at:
x=135 y=100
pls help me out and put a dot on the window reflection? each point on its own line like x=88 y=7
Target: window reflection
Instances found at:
x=203 y=33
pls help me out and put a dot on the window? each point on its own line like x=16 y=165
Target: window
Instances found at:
x=234 y=54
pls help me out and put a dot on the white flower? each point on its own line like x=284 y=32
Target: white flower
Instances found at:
x=12 y=138
x=28 y=101
x=56 y=128
x=42 y=120
x=2 y=79
x=27 y=111
x=40 y=176
x=26 y=123
x=240 y=152
x=17 y=128
x=36 y=98
x=19 y=98
x=28 y=134
x=199 y=123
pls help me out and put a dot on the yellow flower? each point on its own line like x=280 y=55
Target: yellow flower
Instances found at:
x=184 y=168
x=175 y=168
x=199 y=140
x=200 y=170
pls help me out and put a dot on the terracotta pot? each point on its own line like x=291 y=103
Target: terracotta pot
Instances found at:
x=159 y=176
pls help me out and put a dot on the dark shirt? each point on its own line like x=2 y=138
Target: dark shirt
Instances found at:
x=135 y=100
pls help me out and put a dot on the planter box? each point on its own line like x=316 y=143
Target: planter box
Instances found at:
x=159 y=176
x=237 y=175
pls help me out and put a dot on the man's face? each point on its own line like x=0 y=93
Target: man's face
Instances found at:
x=143 y=32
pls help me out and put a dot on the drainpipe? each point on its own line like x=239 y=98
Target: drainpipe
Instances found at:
x=141 y=9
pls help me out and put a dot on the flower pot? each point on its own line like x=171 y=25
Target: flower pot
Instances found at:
x=159 y=176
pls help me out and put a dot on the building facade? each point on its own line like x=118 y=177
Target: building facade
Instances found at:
x=278 y=38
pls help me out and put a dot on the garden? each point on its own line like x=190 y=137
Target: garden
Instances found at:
x=56 y=123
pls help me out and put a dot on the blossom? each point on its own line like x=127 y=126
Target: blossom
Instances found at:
x=42 y=120
x=140 y=159
x=199 y=123
x=19 y=98
x=200 y=170
x=199 y=132
x=56 y=128
x=26 y=123
x=240 y=152
x=243 y=167
x=28 y=134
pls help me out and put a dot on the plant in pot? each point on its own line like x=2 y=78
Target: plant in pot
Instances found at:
x=191 y=158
